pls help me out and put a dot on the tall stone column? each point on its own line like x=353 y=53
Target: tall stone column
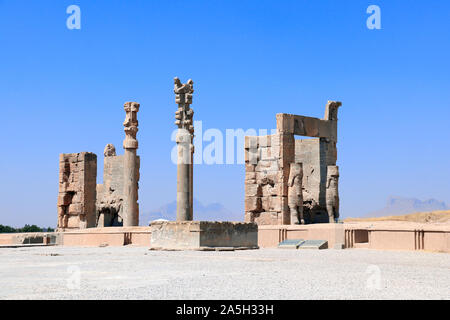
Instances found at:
x=130 y=188
x=184 y=117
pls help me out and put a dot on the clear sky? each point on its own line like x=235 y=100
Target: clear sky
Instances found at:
x=62 y=91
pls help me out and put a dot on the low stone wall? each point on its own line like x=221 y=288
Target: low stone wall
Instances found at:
x=110 y=236
x=32 y=238
x=398 y=236
x=270 y=236
x=383 y=236
x=194 y=234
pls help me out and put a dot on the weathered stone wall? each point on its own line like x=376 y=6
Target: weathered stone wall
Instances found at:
x=77 y=191
x=110 y=194
x=266 y=179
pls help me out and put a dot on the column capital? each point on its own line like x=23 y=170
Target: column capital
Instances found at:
x=131 y=125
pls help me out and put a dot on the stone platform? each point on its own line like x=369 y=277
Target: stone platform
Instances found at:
x=203 y=235
x=363 y=235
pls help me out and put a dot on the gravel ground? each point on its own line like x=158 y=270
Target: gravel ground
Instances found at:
x=137 y=273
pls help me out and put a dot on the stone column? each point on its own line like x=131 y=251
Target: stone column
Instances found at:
x=130 y=188
x=184 y=140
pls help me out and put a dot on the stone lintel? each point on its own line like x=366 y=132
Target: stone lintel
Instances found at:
x=306 y=126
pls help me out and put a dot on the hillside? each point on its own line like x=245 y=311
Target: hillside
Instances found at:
x=396 y=205
x=442 y=216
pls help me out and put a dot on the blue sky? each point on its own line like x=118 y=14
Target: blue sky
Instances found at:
x=63 y=91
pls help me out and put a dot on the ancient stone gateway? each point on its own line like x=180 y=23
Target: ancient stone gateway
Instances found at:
x=269 y=159
x=84 y=204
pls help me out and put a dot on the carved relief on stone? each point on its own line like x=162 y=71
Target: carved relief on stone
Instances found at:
x=295 y=194
x=332 y=193
x=331 y=110
x=110 y=150
x=183 y=97
x=131 y=125
x=109 y=209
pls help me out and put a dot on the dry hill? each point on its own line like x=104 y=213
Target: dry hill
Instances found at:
x=420 y=217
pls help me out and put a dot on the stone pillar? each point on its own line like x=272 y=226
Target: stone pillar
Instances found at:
x=130 y=188
x=77 y=191
x=184 y=140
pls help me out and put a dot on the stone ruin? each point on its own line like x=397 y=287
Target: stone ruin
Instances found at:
x=184 y=233
x=110 y=194
x=292 y=181
x=77 y=190
x=287 y=181
x=84 y=204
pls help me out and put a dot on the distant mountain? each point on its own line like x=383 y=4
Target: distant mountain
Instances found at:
x=210 y=212
x=400 y=205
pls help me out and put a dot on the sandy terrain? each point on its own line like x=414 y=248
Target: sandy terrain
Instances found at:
x=137 y=273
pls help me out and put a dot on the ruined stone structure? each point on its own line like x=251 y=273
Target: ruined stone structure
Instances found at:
x=84 y=204
x=77 y=191
x=184 y=139
x=268 y=162
x=110 y=194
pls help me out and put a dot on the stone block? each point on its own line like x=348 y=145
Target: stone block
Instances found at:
x=75 y=209
x=290 y=243
x=64 y=199
x=73 y=222
x=249 y=167
x=251 y=142
x=250 y=177
x=314 y=244
x=264 y=141
x=253 y=190
x=267 y=218
x=203 y=235
x=267 y=165
x=267 y=177
x=251 y=156
x=271 y=190
x=252 y=204
x=271 y=203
